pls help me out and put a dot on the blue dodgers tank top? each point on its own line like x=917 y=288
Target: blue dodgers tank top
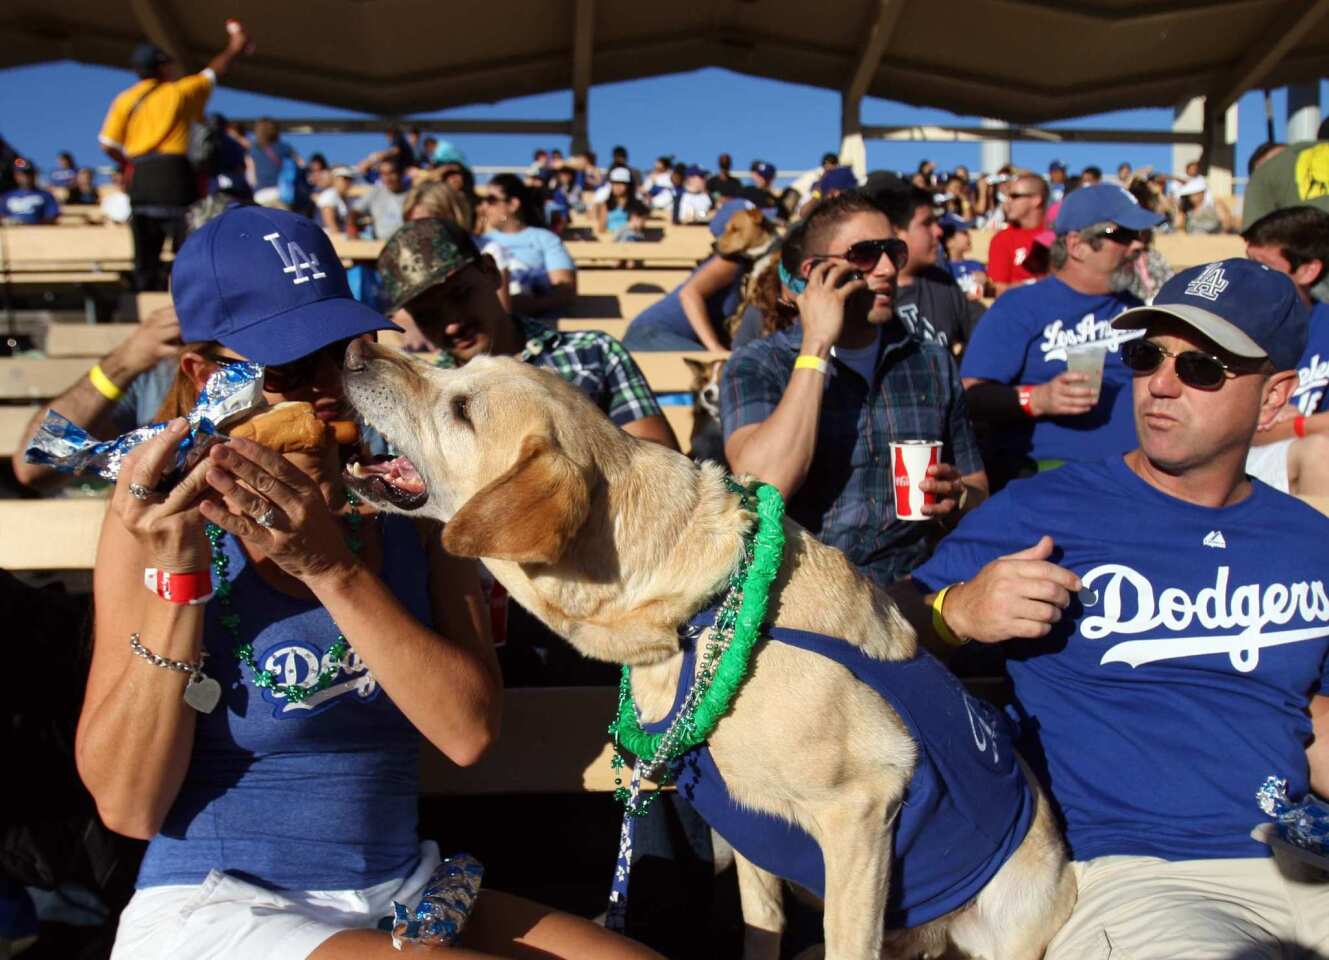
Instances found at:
x=966 y=809
x=318 y=795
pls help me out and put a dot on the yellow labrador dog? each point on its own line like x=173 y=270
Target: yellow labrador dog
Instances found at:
x=616 y=543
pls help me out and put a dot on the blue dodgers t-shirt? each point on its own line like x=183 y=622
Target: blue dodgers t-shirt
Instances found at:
x=29 y=206
x=667 y=312
x=1023 y=339
x=1155 y=710
x=1313 y=368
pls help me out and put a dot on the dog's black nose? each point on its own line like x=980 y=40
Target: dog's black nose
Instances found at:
x=355 y=355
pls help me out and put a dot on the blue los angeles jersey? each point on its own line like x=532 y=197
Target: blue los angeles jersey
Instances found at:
x=966 y=810
x=1163 y=699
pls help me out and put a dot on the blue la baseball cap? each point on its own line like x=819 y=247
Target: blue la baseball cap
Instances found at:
x=267 y=284
x=1104 y=203
x=763 y=169
x=722 y=216
x=837 y=179
x=1243 y=306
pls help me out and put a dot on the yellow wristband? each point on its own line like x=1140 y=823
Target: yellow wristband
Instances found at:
x=948 y=636
x=104 y=384
x=809 y=362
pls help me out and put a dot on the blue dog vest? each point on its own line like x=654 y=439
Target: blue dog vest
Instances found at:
x=966 y=809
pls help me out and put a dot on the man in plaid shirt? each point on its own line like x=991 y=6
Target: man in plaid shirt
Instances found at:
x=433 y=270
x=813 y=409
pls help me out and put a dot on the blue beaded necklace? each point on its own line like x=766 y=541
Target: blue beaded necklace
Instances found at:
x=244 y=649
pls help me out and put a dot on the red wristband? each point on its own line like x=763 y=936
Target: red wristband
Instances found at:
x=191 y=588
x=1026 y=397
x=1299 y=425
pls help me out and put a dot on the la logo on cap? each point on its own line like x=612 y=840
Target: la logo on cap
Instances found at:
x=1208 y=284
x=295 y=260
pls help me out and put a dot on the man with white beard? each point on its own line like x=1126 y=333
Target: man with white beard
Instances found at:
x=1166 y=627
x=1035 y=413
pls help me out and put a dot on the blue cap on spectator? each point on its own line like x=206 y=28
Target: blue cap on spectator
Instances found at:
x=148 y=57
x=763 y=169
x=950 y=223
x=1104 y=203
x=1243 y=306
x=1057 y=165
x=837 y=179
x=695 y=171
x=267 y=284
x=445 y=152
x=730 y=208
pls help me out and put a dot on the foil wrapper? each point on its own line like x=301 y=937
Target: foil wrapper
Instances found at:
x=1303 y=824
x=65 y=446
x=448 y=899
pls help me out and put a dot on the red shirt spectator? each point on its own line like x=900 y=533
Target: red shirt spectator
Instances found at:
x=1025 y=205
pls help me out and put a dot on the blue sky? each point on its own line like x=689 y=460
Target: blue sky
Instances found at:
x=694 y=116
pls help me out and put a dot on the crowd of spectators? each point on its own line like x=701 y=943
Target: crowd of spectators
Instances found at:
x=857 y=315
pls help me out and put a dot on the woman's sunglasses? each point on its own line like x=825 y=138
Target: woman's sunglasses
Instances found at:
x=1195 y=368
x=866 y=254
x=289 y=377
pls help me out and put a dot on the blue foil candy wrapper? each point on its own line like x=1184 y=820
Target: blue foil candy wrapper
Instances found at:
x=448 y=899
x=1304 y=824
x=65 y=446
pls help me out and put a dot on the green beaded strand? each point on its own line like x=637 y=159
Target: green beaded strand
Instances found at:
x=244 y=650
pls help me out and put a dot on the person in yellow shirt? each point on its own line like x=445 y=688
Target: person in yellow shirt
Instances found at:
x=146 y=133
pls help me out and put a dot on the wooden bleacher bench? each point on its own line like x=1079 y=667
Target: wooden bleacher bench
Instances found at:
x=668 y=251
x=13 y=422
x=86 y=339
x=658 y=282
x=27 y=378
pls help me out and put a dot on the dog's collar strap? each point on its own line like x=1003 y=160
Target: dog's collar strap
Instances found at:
x=738 y=624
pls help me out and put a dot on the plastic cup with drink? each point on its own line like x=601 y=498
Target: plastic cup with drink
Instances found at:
x=1088 y=359
x=910 y=460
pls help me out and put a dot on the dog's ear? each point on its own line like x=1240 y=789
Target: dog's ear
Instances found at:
x=698 y=368
x=529 y=514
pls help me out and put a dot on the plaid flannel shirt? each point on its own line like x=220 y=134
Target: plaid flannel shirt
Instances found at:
x=594 y=362
x=848 y=498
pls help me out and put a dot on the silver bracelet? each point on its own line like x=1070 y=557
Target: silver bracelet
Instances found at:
x=202 y=692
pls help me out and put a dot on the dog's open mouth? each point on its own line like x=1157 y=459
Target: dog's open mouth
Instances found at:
x=394 y=482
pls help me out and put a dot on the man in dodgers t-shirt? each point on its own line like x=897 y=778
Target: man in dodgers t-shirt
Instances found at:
x=1166 y=622
x=1023 y=342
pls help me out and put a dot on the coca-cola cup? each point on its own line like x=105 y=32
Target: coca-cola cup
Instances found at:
x=910 y=460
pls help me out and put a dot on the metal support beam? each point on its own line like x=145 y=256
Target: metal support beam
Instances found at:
x=1285 y=29
x=1303 y=111
x=378 y=125
x=583 y=49
x=160 y=26
x=1040 y=134
x=853 y=152
x=1220 y=147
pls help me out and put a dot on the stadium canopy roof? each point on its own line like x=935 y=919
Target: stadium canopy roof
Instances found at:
x=1024 y=61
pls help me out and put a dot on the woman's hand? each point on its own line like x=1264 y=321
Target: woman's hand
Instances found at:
x=302 y=535
x=169 y=526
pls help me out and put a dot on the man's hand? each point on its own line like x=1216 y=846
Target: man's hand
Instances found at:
x=943 y=482
x=1063 y=396
x=1018 y=595
x=157 y=337
x=821 y=305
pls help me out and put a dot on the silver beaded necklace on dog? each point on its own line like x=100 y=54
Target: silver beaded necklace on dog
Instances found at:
x=244 y=649
x=723 y=667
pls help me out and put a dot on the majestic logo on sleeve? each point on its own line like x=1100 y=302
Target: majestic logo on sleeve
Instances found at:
x=1245 y=619
x=1208 y=284
x=295 y=260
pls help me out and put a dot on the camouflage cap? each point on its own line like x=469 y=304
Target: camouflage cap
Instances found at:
x=420 y=255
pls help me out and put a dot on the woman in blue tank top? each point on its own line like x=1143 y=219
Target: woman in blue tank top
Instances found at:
x=266 y=740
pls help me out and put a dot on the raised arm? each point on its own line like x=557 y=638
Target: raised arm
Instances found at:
x=715 y=276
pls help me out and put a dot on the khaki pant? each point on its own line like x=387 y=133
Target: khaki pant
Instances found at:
x=1143 y=908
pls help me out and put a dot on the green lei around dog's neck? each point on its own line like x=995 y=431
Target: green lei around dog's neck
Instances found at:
x=725 y=662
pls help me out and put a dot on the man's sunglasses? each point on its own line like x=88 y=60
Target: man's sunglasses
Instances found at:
x=1020 y=196
x=1122 y=235
x=866 y=254
x=289 y=377
x=1195 y=368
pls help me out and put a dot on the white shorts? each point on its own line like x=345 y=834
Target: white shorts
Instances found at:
x=1268 y=462
x=225 y=918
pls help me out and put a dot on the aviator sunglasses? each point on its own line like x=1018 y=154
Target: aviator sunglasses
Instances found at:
x=289 y=377
x=866 y=254
x=1195 y=368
